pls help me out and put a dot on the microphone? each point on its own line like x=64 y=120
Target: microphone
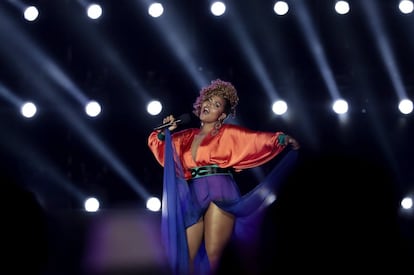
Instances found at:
x=184 y=118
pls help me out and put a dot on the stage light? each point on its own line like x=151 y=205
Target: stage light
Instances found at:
x=281 y=8
x=156 y=9
x=31 y=13
x=28 y=109
x=340 y=106
x=154 y=204
x=405 y=106
x=406 y=6
x=94 y=11
x=91 y=204
x=407 y=203
x=154 y=107
x=93 y=108
x=279 y=107
x=342 y=7
x=218 y=8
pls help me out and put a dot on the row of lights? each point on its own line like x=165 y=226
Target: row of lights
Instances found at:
x=154 y=204
x=93 y=11
x=279 y=107
x=29 y=109
x=217 y=8
x=343 y=7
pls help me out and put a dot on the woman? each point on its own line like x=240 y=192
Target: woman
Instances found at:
x=209 y=200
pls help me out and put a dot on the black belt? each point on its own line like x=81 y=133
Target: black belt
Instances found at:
x=208 y=171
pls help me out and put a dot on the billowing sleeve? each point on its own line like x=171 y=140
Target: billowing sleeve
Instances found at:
x=179 y=140
x=245 y=148
x=156 y=146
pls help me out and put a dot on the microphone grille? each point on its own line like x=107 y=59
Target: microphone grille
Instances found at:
x=184 y=118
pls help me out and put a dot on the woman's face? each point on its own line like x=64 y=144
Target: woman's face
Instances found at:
x=212 y=109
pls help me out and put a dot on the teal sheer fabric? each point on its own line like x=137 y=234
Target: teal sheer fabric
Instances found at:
x=175 y=192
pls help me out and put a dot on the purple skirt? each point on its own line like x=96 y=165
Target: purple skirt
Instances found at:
x=214 y=188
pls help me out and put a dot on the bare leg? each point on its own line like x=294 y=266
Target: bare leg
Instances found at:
x=218 y=226
x=194 y=239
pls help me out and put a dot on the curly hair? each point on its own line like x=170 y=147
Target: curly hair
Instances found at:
x=220 y=88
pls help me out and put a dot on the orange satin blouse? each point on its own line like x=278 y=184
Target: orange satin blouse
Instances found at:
x=234 y=146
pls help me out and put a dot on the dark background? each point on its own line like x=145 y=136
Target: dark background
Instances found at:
x=341 y=206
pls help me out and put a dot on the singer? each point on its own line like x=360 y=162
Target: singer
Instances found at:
x=203 y=208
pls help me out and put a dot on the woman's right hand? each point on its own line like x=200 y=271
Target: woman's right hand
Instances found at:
x=169 y=119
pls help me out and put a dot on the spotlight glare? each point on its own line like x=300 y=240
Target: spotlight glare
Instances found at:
x=407 y=203
x=218 y=8
x=405 y=106
x=279 y=107
x=94 y=11
x=406 y=6
x=154 y=107
x=342 y=7
x=154 y=204
x=156 y=10
x=93 y=108
x=31 y=13
x=340 y=106
x=28 y=109
x=281 y=8
x=91 y=205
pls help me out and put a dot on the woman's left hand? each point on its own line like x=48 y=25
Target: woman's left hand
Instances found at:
x=292 y=142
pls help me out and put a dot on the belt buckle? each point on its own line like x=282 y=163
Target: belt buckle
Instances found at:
x=202 y=171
